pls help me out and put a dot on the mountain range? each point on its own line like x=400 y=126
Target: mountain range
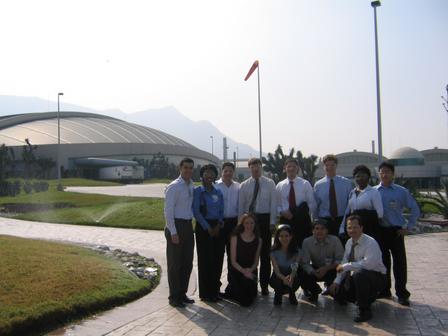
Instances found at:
x=167 y=119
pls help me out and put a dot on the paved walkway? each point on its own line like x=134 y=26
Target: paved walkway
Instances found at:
x=137 y=190
x=151 y=315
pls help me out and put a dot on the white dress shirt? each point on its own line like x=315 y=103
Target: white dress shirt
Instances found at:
x=367 y=256
x=178 y=202
x=369 y=199
x=266 y=200
x=230 y=194
x=302 y=190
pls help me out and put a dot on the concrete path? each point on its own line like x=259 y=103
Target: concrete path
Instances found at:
x=151 y=315
x=136 y=190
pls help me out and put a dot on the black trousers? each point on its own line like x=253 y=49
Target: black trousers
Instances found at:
x=310 y=282
x=280 y=288
x=263 y=222
x=333 y=225
x=179 y=259
x=363 y=289
x=393 y=244
x=208 y=250
x=300 y=222
x=224 y=245
x=241 y=289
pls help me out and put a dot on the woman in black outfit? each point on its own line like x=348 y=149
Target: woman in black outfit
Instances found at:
x=245 y=246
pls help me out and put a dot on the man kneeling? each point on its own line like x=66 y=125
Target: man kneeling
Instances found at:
x=362 y=274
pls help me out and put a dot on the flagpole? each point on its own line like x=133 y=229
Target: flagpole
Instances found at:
x=259 y=111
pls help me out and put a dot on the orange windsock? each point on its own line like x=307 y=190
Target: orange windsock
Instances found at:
x=252 y=69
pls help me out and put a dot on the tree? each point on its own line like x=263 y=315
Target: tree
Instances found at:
x=28 y=157
x=308 y=166
x=439 y=200
x=159 y=166
x=274 y=164
x=45 y=166
x=5 y=160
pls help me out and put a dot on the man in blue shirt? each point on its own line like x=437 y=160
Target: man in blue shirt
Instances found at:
x=331 y=193
x=179 y=233
x=393 y=229
x=208 y=209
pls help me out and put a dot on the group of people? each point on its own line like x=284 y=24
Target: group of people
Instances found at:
x=239 y=219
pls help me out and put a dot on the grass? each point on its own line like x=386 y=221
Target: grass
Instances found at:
x=45 y=283
x=92 y=209
x=71 y=182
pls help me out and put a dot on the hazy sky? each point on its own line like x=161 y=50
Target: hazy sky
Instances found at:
x=316 y=57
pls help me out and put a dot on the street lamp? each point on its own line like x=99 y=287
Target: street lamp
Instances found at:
x=211 y=137
x=59 y=187
x=376 y=4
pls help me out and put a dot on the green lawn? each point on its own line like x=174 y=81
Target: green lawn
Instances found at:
x=92 y=209
x=45 y=283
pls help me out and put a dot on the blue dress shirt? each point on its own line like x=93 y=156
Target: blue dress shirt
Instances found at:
x=395 y=198
x=343 y=187
x=214 y=203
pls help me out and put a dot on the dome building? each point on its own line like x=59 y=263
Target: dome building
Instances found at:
x=90 y=141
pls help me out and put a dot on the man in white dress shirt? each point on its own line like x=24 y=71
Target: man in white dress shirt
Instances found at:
x=257 y=196
x=179 y=233
x=295 y=201
x=230 y=190
x=361 y=274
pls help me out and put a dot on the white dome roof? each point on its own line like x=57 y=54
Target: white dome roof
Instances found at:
x=406 y=153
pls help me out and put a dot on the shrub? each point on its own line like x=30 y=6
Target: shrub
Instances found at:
x=27 y=187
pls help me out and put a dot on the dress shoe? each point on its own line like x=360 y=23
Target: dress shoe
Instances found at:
x=306 y=293
x=293 y=299
x=404 y=301
x=363 y=315
x=186 y=299
x=385 y=295
x=313 y=298
x=177 y=304
x=264 y=291
x=325 y=292
x=277 y=299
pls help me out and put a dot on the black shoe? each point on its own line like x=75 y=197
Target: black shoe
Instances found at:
x=210 y=299
x=186 y=299
x=293 y=299
x=277 y=299
x=264 y=291
x=177 y=304
x=385 y=295
x=363 y=315
x=404 y=301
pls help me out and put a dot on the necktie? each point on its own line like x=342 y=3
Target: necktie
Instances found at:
x=351 y=256
x=333 y=202
x=292 y=196
x=254 y=196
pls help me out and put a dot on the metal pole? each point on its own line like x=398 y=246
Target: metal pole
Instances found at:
x=59 y=187
x=259 y=111
x=211 y=137
x=376 y=4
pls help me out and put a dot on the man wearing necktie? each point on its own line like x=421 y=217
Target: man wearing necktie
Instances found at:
x=361 y=274
x=295 y=199
x=332 y=193
x=257 y=196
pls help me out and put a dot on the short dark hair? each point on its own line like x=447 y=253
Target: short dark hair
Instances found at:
x=330 y=157
x=254 y=161
x=291 y=160
x=186 y=160
x=322 y=222
x=208 y=167
x=228 y=164
x=356 y=218
x=386 y=164
x=362 y=169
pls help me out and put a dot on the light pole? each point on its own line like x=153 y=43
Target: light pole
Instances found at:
x=376 y=4
x=211 y=137
x=59 y=187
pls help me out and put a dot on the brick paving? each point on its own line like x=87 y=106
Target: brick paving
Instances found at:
x=151 y=315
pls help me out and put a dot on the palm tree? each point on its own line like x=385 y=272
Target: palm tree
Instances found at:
x=439 y=200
